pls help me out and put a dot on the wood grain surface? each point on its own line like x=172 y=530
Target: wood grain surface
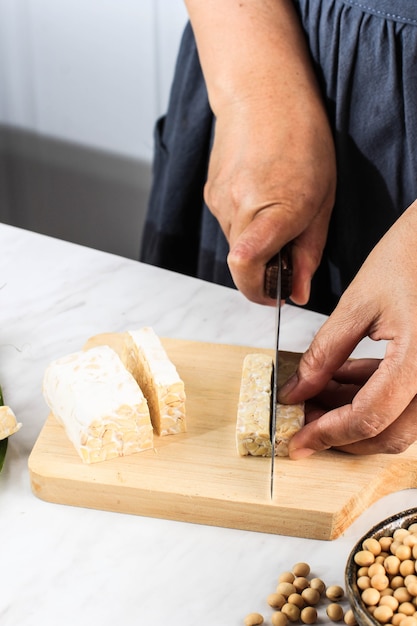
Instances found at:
x=198 y=476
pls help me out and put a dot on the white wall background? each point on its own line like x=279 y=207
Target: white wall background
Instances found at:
x=92 y=72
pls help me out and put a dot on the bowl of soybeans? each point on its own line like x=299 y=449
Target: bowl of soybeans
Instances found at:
x=381 y=573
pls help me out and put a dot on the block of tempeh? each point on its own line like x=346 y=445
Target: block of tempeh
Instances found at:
x=254 y=410
x=160 y=382
x=99 y=403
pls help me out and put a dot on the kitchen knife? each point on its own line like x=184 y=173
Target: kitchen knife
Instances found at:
x=277 y=285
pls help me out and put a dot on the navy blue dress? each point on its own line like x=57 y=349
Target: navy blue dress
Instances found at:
x=365 y=55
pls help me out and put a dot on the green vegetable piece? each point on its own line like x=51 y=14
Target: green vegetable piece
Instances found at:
x=3 y=442
x=3 y=448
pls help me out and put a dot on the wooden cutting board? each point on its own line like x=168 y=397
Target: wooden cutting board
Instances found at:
x=199 y=477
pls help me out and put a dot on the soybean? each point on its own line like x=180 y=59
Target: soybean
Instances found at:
x=370 y=596
x=363 y=582
x=335 y=612
x=276 y=600
x=317 y=583
x=383 y=614
x=301 y=569
x=372 y=545
x=350 y=618
x=286 y=577
x=279 y=619
x=286 y=589
x=297 y=599
x=300 y=583
x=253 y=619
x=364 y=558
x=335 y=593
x=310 y=596
x=291 y=611
x=308 y=615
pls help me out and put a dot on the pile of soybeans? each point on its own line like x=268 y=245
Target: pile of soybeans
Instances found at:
x=387 y=576
x=297 y=598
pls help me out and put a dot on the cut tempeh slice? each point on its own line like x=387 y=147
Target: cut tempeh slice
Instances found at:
x=290 y=419
x=99 y=403
x=254 y=409
x=8 y=422
x=144 y=357
x=159 y=381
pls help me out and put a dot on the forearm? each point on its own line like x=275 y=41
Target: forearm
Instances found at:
x=251 y=50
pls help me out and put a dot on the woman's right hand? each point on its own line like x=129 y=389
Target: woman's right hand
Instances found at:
x=272 y=171
x=271 y=180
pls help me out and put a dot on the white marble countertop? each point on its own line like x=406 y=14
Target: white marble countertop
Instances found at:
x=66 y=565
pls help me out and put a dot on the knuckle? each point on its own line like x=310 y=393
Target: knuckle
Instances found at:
x=395 y=445
x=224 y=191
x=214 y=196
x=313 y=359
x=210 y=198
x=367 y=427
x=239 y=258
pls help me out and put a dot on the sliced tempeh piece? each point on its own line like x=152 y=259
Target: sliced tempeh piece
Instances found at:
x=290 y=419
x=144 y=357
x=8 y=422
x=99 y=403
x=159 y=381
x=254 y=408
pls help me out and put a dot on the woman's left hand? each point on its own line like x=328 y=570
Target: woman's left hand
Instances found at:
x=365 y=406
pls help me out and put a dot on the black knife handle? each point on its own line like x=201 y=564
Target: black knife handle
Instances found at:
x=271 y=275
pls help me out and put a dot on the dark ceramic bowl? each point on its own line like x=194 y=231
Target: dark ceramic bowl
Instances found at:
x=386 y=527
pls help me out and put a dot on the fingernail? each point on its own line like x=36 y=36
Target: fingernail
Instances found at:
x=301 y=453
x=288 y=386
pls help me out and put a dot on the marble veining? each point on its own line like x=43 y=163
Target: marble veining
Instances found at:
x=66 y=565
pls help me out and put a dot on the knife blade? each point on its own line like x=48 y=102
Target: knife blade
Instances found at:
x=277 y=285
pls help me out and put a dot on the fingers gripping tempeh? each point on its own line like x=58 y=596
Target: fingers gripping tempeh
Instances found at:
x=254 y=411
